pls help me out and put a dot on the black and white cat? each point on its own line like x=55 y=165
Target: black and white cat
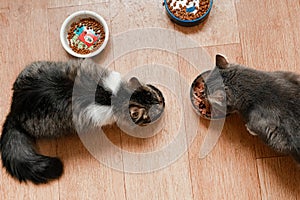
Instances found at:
x=269 y=102
x=52 y=99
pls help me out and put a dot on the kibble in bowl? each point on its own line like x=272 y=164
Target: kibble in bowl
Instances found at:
x=188 y=12
x=199 y=99
x=84 y=34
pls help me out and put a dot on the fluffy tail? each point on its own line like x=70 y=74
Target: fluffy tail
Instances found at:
x=21 y=160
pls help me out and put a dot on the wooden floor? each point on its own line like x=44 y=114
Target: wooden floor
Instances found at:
x=261 y=34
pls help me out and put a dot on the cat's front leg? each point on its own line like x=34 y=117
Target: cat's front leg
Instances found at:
x=263 y=124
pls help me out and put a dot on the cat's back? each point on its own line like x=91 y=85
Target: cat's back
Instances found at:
x=45 y=73
x=269 y=90
x=44 y=84
x=270 y=83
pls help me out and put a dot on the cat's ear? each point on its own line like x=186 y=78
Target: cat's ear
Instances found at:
x=134 y=83
x=221 y=61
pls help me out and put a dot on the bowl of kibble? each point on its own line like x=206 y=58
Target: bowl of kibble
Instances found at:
x=199 y=99
x=84 y=34
x=188 y=12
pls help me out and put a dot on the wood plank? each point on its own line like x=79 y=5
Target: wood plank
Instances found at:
x=221 y=26
x=138 y=14
x=173 y=181
x=167 y=183
x=8 y=74
x=23 y=6
x=69 y=3
x=20 y=46
x=12 y=189
x=279 y=178
x=18 y=22
x=84 y=175
x=266 y=38
x=4 y=4
x=294 y=10
x=222 y=174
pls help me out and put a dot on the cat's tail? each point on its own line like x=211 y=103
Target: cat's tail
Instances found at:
x=21 y=160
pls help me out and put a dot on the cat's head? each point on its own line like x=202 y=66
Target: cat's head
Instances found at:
x=146 y=102
x=218 y=91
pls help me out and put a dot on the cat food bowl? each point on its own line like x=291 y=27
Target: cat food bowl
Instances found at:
x=188 y=12
x=84 y=34
x=155 y=109
x=145 y=116
x=200 y=101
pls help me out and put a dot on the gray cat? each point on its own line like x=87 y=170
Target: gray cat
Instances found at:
x=52 y=99
x=269 y=102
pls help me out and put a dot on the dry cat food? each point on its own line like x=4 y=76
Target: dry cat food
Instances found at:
x=199 y=98
x=85 y=35
x=188 y=9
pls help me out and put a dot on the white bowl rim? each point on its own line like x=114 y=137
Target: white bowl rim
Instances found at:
x=64 y=41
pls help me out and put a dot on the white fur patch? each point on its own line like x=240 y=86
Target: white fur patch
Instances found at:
x=113 y=81
x=99 y=115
